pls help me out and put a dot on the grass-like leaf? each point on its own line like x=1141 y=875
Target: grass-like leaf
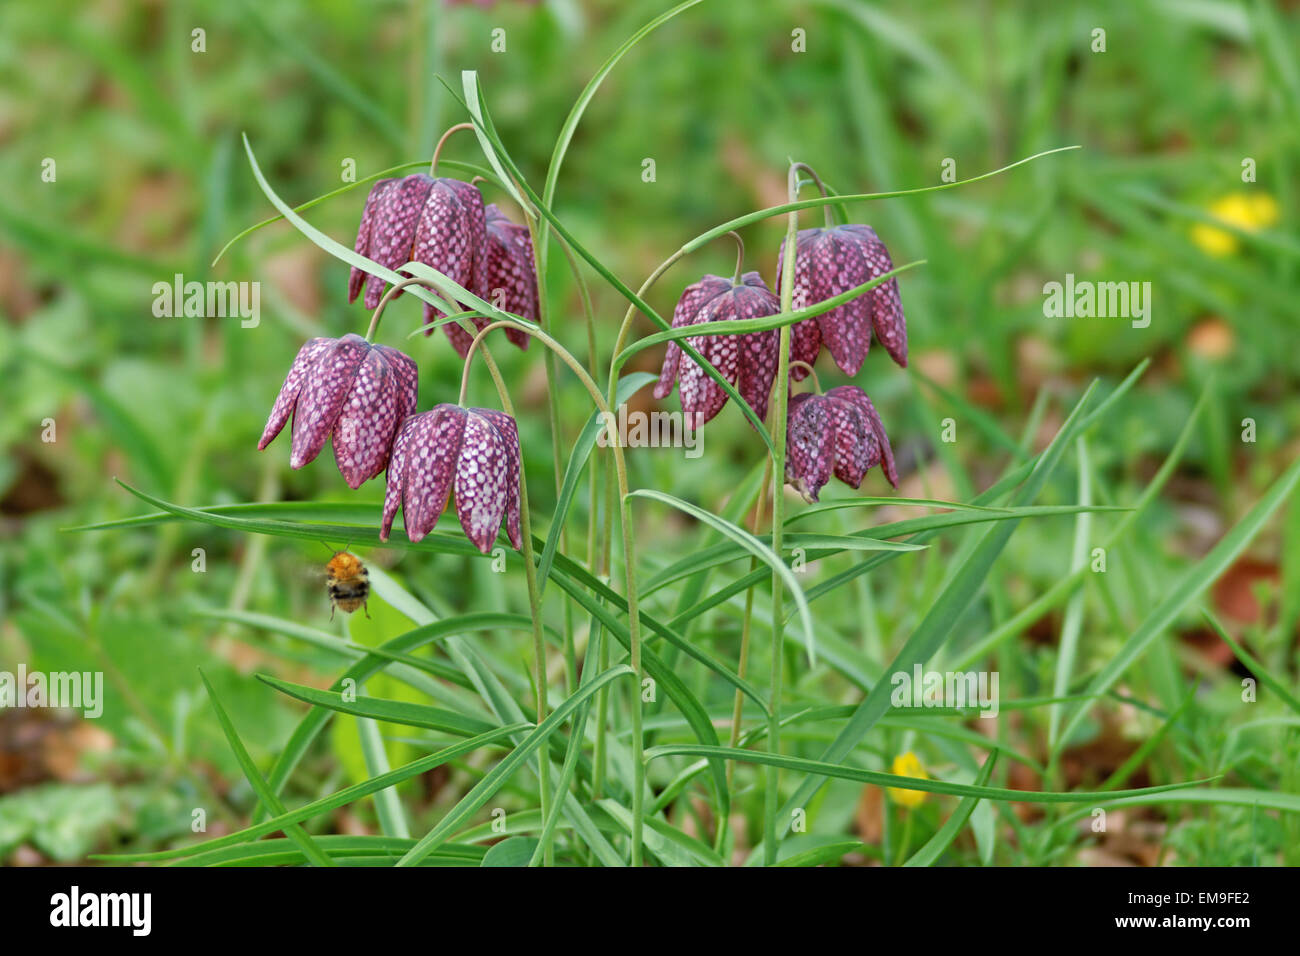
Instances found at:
x=944 y=836
x=325 y=804
x=300 y=837
x=483 y=790
x=822 y=768
x=751 y=544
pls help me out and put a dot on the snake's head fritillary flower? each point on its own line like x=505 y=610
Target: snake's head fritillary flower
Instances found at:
x=348 y=390
x=831 y=261
x=439 y=222
x=838 y=433
x=473 y=450
x=509 y=275
x=748 y=361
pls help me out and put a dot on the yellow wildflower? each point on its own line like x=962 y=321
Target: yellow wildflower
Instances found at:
x=1249 y=211
x=908 y=765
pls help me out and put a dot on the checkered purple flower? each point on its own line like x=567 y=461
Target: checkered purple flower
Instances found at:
x=828 y=262
x=476 y=450
x=509 y=276
x=748 y=361
x=417 y=218
x=837 y=433
x=348 y=390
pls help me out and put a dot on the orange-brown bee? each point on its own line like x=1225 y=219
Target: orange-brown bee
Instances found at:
x=348 y=583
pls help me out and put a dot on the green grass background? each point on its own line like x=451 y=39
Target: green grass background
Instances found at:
x=151 y=181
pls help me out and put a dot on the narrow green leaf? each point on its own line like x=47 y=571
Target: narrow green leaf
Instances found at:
x=750 y=544
x=943 y=838
x=822 y=768
x=378 y=708
x=1196 y=579
x=326 y=804
x=301 y=839
x=483 y=790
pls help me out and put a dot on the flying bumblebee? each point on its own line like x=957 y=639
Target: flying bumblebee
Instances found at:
x=347 y=582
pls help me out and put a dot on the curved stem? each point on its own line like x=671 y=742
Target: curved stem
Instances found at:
x=391 y=293
x=626 y=327
x=812 y=174
x=629 y=556
x=817 y=382
x=437 y=150
x=740 y=257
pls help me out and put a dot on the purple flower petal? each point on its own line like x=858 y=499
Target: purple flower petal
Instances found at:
x=393 y=232
x=837 y=265
x=810 y=446
x=407 y=376
x=363 y=433
x=856 y=448
x=450 y=238
x=481 y=481
x=759 y=350
x=289 y=391
x=357 y=278
x=509 y=274
x=430 y=466
x=324 y=392
x=856 y=396
x=395 y=488
x=509 y=433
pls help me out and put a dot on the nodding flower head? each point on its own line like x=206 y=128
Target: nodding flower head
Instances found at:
x=748 y=360
x=346 y=388
x=837 y=433
x=831 y=261
x=417 y=218
x=474 y=449
x=509 y=277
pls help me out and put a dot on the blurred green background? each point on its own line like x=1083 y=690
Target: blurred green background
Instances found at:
x=150 y=180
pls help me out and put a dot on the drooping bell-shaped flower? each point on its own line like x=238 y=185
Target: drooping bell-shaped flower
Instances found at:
x=838 y=433
x=474 y=450
x=828 y=262
x=439 y=222
x=748 y=361
x=509 y=277
x=352 y=391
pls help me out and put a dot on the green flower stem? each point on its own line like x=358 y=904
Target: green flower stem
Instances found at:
x=771 y=796
x=388 y=296
x=740 y=259
x=817 y=382
x=557 y=453
x=530 y=576
x=437 y=150
x=821 y=186
x=629 y=558
x=745 y=630
x=589 y=320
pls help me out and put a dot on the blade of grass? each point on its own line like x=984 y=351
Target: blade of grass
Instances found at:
x=301 y=839
x=934 y=847
x=1195 y=580
x=483 y=790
